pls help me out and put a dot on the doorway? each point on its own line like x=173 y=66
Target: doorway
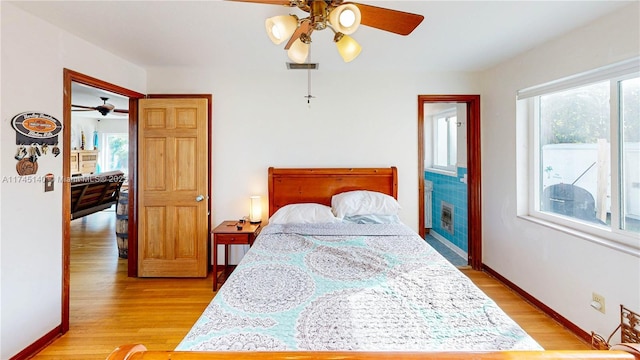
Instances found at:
x=70 y=78
x=451 y=110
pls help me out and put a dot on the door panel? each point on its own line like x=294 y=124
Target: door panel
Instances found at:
x=185 y=148
x=155 y=172
x=172 y=223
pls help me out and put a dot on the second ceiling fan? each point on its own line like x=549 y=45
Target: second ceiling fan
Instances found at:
x=343 y=18
x=104 y=108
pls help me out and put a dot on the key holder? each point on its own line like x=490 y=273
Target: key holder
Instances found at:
x=35 y=132
x=36 y=128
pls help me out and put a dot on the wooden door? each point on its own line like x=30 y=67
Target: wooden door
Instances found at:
x=172 y=188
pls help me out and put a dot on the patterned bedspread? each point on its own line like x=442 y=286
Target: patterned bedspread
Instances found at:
x=350 y=287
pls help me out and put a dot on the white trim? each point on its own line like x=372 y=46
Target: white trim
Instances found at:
x=447 y=115
x=443 y=171
x=603 y=73
x=625 y=248
x=449 y=244
x=615 y=147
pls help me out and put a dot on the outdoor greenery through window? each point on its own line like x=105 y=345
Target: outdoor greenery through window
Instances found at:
x=116 y=152
x=586 y=151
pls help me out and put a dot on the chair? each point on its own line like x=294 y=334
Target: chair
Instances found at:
x=629 y=331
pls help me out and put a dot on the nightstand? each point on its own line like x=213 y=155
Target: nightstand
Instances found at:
x=227 y=234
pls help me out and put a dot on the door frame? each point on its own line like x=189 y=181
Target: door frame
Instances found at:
x=474 y=196
x=71 y=76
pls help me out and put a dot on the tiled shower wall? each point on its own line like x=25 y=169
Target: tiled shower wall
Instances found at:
x=452 y=190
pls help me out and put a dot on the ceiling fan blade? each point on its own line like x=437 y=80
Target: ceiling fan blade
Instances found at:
x=87 y=108
x=121 y=111
x=303 y=28
x=270 y=2
x=398 y=22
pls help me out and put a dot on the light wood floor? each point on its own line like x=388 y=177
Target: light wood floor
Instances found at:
x=109 y=309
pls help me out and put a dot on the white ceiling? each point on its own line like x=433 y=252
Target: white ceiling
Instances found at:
x=455 y=35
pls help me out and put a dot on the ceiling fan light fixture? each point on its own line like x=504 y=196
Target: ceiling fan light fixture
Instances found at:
x=345 y=18
x=298 y=51
x=348 y=48
x=280 y=28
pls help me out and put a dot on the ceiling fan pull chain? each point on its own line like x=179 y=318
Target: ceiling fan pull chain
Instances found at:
x=308 y=85
x=309 y=96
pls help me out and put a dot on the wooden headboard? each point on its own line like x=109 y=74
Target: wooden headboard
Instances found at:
x=318 y=185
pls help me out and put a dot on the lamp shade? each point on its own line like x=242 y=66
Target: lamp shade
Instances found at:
x=280 y=28
x=345 y=18
x=255 y=209
x=348 y=48
x=298 y=51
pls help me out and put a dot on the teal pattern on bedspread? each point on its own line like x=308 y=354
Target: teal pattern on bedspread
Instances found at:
x=369 y=287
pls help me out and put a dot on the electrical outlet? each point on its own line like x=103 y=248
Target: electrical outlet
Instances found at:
x=597 y=302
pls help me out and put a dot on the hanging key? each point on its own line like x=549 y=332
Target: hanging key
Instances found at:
x=45 y=147
x=56 y=150
x=21 y=153
x=33 y=154
x=36 y=149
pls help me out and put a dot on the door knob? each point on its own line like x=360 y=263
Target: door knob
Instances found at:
x=199 y=198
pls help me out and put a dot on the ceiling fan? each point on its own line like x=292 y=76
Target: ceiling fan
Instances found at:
x=103 y=109
x=343 y=18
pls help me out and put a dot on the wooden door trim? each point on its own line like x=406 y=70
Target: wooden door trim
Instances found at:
x=473 y=174
x=70 y=76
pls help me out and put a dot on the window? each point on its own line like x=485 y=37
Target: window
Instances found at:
x=445 y=140
x=584 y=152
x=115 y=152
x=630 y=153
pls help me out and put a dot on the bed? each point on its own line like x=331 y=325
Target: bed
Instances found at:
x=351 y=283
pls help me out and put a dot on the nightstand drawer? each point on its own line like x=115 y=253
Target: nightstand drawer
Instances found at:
x=232 y=238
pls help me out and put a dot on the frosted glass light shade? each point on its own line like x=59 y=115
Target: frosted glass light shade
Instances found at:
x=345 y=18
x=298 y=51
x=348 y=48
x=255 y=209
x=280 y=28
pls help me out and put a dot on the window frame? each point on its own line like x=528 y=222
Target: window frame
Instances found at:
x=448 y=114
x=529 y=175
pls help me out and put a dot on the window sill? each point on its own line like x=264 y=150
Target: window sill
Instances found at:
x=610 y=243
x=452 y=173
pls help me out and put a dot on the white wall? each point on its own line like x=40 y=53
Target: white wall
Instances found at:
x=558 y=269
x=262 y=119
x=80 y=126
x=34 y=54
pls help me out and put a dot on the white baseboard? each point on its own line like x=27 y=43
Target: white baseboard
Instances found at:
x=449 y=244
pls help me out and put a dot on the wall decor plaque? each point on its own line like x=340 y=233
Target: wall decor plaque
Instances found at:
x=36 y=128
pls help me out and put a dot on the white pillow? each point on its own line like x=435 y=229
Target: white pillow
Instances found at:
x=363 y=202
x=306 y=213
